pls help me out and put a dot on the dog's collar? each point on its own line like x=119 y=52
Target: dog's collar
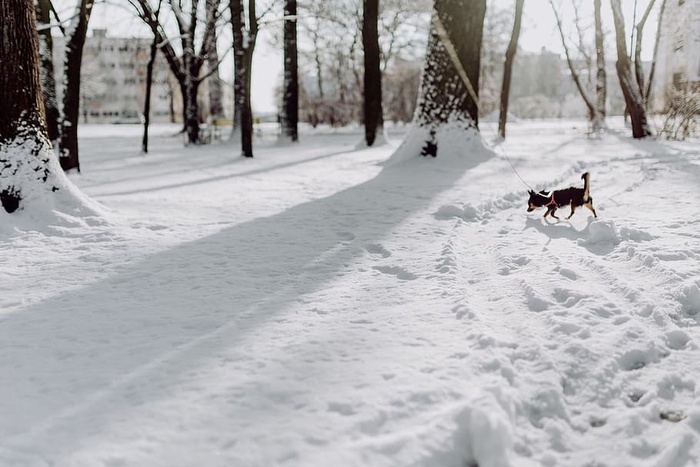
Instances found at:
x=551 y=201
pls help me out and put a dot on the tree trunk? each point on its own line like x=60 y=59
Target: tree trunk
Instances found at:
x=447 y=108
x=601 y=86
x=243 y=47
x=647 y=92
x=592 y=110
x=290 y=113
x=216 y=106
x=68 y=155
x=48 y=80
x=374 y=121
x=508 y=68
x=149 y=85
x=638 y=69
x=25 y=153
x=630 y=88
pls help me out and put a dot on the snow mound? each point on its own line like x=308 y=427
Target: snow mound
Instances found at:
x=465 y=212
x=603 y=232
x=689 y=298
x=635 y=235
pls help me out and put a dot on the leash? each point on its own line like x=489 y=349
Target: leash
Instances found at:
x=452 y=52
x=515 y=171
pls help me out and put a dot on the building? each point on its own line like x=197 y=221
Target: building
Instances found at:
x=113 y=82
x=678 y=56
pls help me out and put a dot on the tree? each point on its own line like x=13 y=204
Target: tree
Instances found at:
x=647 y=92
x=243 y=46
x=48 y=78
x=594 y=115
x=374 y=122
x=187 y=68
x=630 y=88
x=508 y=68
x=149 y=85
x=638 y=68
x=448 y=106
x=216 y=105
x=26 y=162
x=290 y=92
x=601 y=75
x=68 y=145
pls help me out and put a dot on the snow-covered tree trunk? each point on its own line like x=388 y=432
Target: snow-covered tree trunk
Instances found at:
x=447 y=110
x=216 y=105
x=243 y=47
x=508 y=68
x=75 y=39
x=48 y=79
x=601 y=87
x=638 y=68
x=630 y=88
x=290 y=92
x=374 y=121
x=27 y=165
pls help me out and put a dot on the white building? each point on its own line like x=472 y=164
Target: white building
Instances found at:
x=678 y=59
x=113 y=82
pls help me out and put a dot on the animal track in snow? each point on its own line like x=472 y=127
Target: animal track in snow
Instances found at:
x=377 y=249
x=397 y=271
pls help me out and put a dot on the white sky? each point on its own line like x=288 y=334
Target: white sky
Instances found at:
x=538 y=31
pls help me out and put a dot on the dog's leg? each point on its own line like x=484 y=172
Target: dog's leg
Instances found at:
x=552 y=213
x=573 y=210
x=589 y=205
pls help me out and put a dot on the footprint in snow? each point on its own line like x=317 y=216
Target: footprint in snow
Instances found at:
x=399 y=272
x=377 y=249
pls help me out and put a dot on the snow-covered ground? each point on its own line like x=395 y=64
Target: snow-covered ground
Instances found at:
x=317 y=306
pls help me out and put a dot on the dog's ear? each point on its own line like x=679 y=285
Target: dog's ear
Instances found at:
x=530 y=192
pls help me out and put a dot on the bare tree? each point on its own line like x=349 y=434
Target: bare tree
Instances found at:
x=290 y=93
x=245 y=34
x=374 y=122
x=44 y=8
x=638 y=68
x=216 y=105
x=188 y=67
x=652 y=68
x=630 y=87
x=25 y=154
x=508 y=68
x=601 y=75
x=448 y=103
x=594 y=116
x=149 y=84
x=68 y=143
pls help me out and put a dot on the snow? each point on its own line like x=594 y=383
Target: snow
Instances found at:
x=316 y=305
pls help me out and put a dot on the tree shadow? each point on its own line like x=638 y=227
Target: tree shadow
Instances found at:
x=79 y=361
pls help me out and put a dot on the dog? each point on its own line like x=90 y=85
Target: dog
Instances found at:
x=572 y=196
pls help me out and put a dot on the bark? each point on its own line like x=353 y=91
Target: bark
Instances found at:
x=638 y=69
x=448 y=94
x=24 y=143
x=601 y=75
x=630 y=88
x=216 y=106
x=243 y=47
x=48 y=79
x=373 y=119
x=68 y=153
x=508 y=68
x=652 y=69
x=290 y=105
x=592 y=110
x=147 y=103
x=451 y=74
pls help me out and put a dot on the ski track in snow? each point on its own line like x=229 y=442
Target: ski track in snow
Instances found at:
x=310 y=309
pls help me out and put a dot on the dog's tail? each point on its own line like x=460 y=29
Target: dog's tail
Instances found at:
x=586 y=186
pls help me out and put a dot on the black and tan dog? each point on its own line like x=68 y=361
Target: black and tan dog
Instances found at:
x=572 y=196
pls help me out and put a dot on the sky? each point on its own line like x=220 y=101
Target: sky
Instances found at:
x=538 y=31
x=329 y=304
